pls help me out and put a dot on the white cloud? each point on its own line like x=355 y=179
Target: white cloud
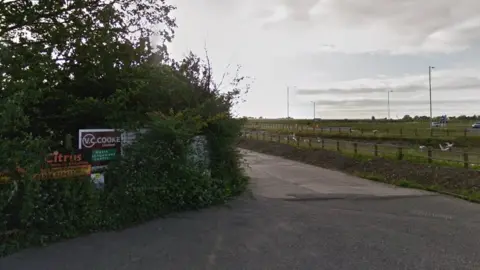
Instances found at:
x=407 y=26
x=453 y=92
x=317 y=43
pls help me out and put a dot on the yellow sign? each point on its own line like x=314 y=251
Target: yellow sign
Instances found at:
x=58 y=173
x=64 y=172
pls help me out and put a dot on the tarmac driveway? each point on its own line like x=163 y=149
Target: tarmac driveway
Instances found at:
x=296 y=216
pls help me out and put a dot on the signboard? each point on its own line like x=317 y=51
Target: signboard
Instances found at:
x=60 y=165
x=98 y=180
x=99 y=138
x=100 y=146
x=198 y=155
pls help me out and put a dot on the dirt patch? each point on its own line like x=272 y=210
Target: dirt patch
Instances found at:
x=455 y=180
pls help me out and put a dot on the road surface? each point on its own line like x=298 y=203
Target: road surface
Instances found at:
x=296 y=217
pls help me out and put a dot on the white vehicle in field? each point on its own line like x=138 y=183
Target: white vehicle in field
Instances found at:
x=436 y=124
x=476 y=125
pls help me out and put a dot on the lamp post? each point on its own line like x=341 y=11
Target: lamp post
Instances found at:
x=288 y=102
x=314 y=112
x=430 y=90
x=388 y=102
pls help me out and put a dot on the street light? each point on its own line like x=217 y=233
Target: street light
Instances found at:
x=430 y=90
x=288 y=103
x=313 y=110
x=388 y=102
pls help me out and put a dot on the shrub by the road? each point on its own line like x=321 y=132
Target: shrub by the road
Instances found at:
x=157 y=175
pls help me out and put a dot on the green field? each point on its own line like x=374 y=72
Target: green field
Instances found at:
x=369 y=128
x=457 y=157
x=413 y=134
x=415 y=139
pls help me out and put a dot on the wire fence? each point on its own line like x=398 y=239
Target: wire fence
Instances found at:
x=446 y=157
x=373 y=131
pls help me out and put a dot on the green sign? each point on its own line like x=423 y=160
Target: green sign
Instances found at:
x=104 y=155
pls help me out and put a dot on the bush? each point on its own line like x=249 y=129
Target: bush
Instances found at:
x=155 y=176
x=35 y=212
x=111 y=80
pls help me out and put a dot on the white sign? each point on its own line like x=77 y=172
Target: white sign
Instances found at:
x=99 y=138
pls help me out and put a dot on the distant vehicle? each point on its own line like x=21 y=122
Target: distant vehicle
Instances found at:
x=476 y=125
x=436 y=124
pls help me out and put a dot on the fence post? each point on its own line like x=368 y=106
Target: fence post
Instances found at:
x=339 y=130
x=400 y=153
x=416 y=132
x=323 y=144
x=361 y=131
x=338 y=146
x=430 y=159
x=310 y=142
x=355 y=148
x=298 y=141
x=288 y=139
x=465 y=160
x=448 y=132
x=375 y=150
x=465 y=133
x=401 y=132
x=431 y=131
x=388 y=131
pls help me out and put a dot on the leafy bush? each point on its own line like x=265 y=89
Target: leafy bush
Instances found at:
x=51 y=87
x=156 y=175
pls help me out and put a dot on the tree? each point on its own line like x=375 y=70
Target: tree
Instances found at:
x=62 y=61
x=407 y=118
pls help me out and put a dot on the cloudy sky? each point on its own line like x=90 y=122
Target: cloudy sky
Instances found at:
x=342 y=54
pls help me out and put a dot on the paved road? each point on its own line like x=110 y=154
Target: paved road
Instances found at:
x=296 y=217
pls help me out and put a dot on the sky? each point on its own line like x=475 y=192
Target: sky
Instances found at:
x=344 y=55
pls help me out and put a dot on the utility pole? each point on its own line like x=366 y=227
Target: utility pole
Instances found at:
x=430 y=90
x=288 y=102
x=314 y=112
x=388 y=102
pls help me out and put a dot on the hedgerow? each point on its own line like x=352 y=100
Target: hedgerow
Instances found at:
x=155 y=176
x=96 y=75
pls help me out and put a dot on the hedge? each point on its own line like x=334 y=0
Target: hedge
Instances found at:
x=153 y=178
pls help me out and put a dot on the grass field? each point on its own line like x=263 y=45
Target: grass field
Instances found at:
x=453 y=158
x=370 y=128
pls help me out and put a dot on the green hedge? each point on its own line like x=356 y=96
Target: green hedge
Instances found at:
x=153 y=178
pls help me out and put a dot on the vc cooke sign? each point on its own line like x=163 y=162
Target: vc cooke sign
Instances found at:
x=99 y=139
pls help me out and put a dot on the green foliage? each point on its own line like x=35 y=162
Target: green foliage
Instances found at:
x=156 y=177
x=90 y=64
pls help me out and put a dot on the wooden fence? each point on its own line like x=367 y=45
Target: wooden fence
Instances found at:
x=393 y=132
x=451 y=157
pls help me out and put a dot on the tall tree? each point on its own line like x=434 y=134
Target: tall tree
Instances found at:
x=61 y=60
